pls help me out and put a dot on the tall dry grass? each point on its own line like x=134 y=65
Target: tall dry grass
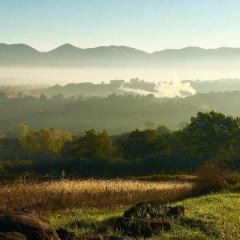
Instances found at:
x=87 y=193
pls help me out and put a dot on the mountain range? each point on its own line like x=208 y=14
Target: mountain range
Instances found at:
x=121 y=56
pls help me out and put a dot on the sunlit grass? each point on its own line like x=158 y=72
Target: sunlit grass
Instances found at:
x=88 y=193
x=214 y=216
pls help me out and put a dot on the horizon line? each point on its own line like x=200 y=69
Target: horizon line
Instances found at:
x=112 y=45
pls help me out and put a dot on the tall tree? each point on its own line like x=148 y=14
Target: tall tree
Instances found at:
x=90 y=145
x=48 y=139
x=212 y=136
x=140 y=144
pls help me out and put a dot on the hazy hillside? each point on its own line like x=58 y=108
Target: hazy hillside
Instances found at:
x=114 y=113
x=69 y=55
x=141 y=87
x=221 y=85
x=134 y=86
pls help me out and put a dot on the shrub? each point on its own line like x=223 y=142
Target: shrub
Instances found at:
x=213 y=177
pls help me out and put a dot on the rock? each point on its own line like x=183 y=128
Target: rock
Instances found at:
x=29 y=225
x=146 y=210
x=176 y=212
x=12 y=236
x=147 y=218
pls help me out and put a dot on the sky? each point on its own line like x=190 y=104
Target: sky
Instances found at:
x=148 y=25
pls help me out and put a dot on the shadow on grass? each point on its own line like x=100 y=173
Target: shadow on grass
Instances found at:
x=91 y=229
x=94 y=227
x=199 y=225
x=167 y=178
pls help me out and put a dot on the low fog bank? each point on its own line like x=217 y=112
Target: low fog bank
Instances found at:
x=62 y=76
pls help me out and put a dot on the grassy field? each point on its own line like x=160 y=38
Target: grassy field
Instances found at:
x=214 y=216
x=54 y=195
x=85 y=207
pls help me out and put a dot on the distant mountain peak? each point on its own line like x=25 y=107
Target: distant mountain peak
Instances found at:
x=192 y=48
x=180 y=50
x=65 y=47
x=18 y=46
x=3 y=44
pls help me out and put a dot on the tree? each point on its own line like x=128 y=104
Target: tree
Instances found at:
x=162 y=130
x=149 y=124
x=211 y=136
x=10 y=149
x=45 y=140
x=58 y=97
x=140 y=144
x=90 y=145
x=21 y=130
x=106 y=146
x=42 y=97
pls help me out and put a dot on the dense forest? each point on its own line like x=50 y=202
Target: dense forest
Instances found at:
x=52 y=152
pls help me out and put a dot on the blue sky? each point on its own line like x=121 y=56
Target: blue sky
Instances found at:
x=145 y=24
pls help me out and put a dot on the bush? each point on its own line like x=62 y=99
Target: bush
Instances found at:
x=213 y=177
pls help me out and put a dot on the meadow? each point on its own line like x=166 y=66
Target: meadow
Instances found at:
x=87 y=207
x=210 y=217
x=66 y=194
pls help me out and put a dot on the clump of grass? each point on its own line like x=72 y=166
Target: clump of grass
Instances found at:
x=88 y=193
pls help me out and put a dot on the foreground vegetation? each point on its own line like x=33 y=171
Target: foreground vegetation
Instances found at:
x=88 y=208
x=67 y=194
x=213 y=216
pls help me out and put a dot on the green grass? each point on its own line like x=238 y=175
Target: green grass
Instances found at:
x=214 y=216
x=89 y=222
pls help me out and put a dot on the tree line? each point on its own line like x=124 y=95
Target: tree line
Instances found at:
x=48 y=152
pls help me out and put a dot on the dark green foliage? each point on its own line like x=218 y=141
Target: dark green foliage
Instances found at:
x=10 y=149
x=208 y=136
x=140 y=144
x=212 y=136
x=91 y=145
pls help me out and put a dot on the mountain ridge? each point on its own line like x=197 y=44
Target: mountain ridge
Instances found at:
x=68 y=45
x=113 y=55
